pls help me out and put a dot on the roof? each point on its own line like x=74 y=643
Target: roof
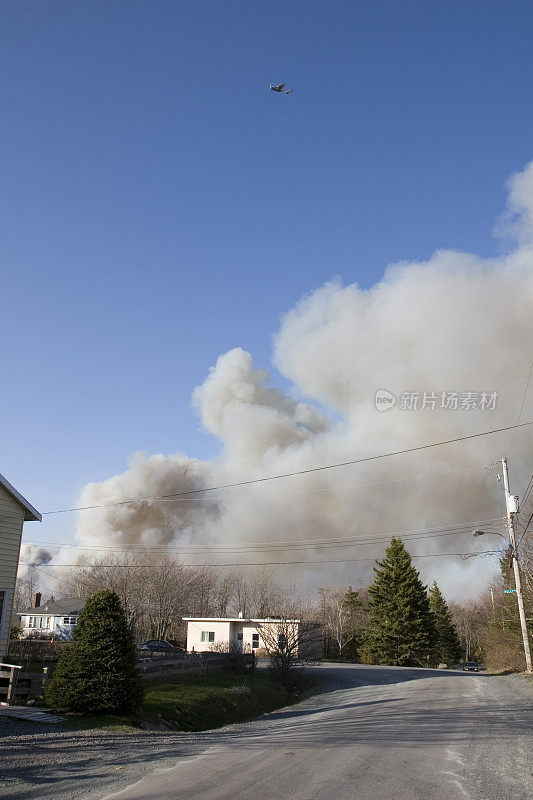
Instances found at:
x=235 y=619
x=68 y=605
x=30 y=513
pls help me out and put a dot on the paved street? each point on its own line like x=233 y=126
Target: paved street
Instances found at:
x=381 y=734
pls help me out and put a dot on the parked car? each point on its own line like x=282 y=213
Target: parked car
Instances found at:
x=156 y=646
x=470 y=666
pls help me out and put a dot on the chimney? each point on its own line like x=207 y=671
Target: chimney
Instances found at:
x=37 y=600
x=241 y=615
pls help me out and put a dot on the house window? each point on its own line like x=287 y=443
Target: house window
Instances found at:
x=31 y=622
x=207 y=636
x=70 y=620
x=255 y=640
x=282 y=641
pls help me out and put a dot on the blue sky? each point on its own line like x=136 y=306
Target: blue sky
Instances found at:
x=161 y=205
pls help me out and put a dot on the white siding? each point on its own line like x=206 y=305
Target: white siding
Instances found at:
x=53 y=624
x=11 y=520
x=227 y=631
x=194 y=634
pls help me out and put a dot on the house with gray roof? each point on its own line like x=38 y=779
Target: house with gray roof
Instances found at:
x=53 y=620
x=15 y=510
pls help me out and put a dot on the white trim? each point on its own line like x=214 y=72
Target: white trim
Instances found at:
x=31 y=513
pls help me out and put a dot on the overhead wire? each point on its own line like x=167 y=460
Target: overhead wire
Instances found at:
x=270 y=563
x=291 y=544
x=308 y=471
x=521 y=408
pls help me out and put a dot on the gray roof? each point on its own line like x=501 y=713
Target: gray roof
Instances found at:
x=68 y=605
x=30 y=513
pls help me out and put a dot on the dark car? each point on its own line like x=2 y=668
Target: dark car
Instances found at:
x=471 y=666
x=155 y=646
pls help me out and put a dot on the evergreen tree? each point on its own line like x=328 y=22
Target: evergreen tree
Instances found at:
x=98 y=670
x=400 y=629
x=447 y=647
x=353 y=607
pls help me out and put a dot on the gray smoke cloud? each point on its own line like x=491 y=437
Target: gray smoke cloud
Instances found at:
x=32 y=554
x=454 y=323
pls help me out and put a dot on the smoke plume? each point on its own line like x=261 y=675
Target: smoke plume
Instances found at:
x=454 y=323
x=31 y=555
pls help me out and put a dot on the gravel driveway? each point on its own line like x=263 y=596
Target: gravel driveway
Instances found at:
x=42 y=763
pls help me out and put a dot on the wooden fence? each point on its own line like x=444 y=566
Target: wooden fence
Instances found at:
x=197 y=664
x=16 y=683
x=22 y=685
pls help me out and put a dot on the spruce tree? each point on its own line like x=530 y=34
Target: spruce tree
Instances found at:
x=353 y=608
x=400 y=629
x=447 y=647
x=98 y=670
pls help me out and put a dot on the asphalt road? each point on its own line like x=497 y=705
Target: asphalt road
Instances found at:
x=380 y=733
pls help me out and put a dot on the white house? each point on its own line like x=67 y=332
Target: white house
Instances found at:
x=55 y=620
x=213 y=633
x=14 y=512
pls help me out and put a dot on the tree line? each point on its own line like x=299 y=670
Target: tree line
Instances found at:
x=395 y=620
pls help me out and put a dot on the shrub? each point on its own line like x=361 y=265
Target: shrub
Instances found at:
x=98 y=670
x=15 y=632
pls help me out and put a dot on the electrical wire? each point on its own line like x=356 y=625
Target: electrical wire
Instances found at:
x=521 y=408
x=527 y=491
x=294 y=544
x=464 y=556
x=292 y=492
x=366 y=459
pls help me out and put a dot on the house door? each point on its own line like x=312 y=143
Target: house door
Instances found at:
x=239 y=640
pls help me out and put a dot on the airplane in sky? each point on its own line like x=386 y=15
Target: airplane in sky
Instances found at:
x=281 y=88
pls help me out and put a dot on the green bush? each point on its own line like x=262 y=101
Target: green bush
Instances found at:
x=98 y=670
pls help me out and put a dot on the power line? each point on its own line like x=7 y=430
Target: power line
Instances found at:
x=294 y=544
x=521 y=407
x=366 y=459
x=39 y=569
x=527 y=490
x=291 y=492
x=525 y=530
x=464 y=556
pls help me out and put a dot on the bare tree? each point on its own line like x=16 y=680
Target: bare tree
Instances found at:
x=288 y=640
x=25 y=590
x=241 y=594
x=223 y=594
x=156 y=590
x=203 y=590
x=471 y=622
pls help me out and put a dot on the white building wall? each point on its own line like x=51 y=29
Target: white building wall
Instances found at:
x=225 y=632
x=221 y=631
x=46 y=625
x=11 y=520
x=248 y=630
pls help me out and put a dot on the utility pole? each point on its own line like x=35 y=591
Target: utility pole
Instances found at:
x=511 y=505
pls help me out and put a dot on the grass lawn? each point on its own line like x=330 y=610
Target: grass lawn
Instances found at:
x=195 y=703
